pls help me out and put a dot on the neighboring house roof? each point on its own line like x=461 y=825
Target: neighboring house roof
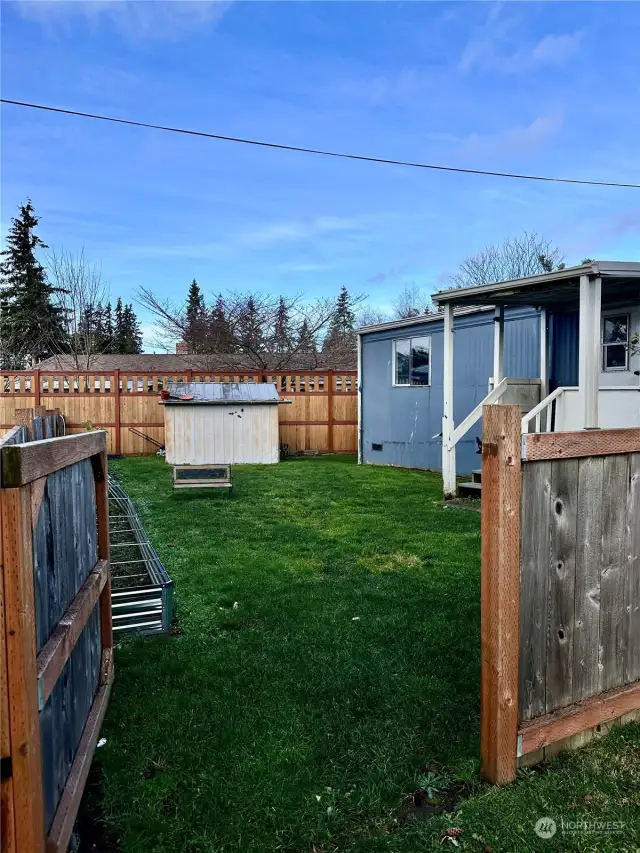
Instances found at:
x=221 y=393
x=547 y=288
x=171 y=363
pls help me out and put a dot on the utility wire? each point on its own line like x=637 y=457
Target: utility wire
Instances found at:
x=318 y=151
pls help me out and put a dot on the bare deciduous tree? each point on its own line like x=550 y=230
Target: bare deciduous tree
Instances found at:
x=411 y=301
x=79 y=290
x=370 y=316
x=516 y=257
x=267 y=331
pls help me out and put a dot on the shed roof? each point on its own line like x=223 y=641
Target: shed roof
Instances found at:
x=221 y=393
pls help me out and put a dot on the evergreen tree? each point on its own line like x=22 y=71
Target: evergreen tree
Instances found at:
x=106 y=332
x=249 y=332
x=340 y=333
x=306 y=339
x=219 y=337
x=30 y=324
x=127 y=337
x=118 y=341
x=196 y=331
x=132 y=333
x=282 y=330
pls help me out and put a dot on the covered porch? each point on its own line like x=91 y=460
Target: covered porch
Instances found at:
x=604 y=297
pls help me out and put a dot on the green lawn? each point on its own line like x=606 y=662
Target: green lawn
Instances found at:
x=327 y=650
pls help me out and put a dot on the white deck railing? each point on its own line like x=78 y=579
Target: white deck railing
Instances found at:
x=541 y=416
x=562 y=410
x=474 y=416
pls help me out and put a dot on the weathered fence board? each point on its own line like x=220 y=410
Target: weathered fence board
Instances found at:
x=322 y=416
x=535 y=523
x=614 y=570
x=56 y=630
x=632 y=591
x=560 y=596
x=586 y=640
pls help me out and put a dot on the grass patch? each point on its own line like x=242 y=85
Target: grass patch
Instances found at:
x=326 y=667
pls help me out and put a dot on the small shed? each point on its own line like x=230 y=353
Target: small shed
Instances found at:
x=210 y=423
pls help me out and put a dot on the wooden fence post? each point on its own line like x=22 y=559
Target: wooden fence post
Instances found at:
x=330 y=411
x=116 y=403
x=500 y=591
x=20 y=625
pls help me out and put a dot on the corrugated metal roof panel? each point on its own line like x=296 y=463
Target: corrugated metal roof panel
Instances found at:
x=222 y=392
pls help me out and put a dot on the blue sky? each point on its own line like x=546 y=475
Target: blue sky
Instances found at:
x=551 y=88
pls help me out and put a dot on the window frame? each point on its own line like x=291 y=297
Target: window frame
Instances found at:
x=409 y=384
x=604 y=346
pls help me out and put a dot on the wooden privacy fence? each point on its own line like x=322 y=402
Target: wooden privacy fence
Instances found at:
x=560 y=586
x=56 y=665
x=323 y=415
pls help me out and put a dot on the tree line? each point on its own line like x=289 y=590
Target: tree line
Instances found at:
x=59 y=308
x=264 y=331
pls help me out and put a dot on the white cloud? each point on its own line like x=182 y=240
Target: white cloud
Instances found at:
x=492 y=52
x=148 y=20
x=302 y=229
x=514 y=140
x=556 y=48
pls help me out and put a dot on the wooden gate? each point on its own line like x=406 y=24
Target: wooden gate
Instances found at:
x=56 y=665
x=560 y=586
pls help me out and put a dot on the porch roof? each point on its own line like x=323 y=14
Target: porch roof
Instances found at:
x=559 y=289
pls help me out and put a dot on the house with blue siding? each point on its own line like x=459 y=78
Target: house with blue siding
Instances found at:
x=563 y=345
x=401 y=405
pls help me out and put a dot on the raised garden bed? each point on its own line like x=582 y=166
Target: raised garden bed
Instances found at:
x=141 y=589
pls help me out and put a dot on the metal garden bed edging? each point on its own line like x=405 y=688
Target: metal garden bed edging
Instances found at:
x=145 y=607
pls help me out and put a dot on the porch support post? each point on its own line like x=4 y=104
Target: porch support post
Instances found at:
x=544 y=354
x=448 y=453
x=498 y=346
x=589 y=353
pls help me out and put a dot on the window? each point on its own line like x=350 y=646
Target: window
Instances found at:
x=615 y=342
x=412 y=361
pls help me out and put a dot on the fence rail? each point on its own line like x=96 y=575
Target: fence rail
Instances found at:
x=560 y=586
x=322 y=415
x=56 y=666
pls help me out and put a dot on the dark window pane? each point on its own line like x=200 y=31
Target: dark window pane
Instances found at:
x=616 y=329
x=615 y=356
x=402 y=349
x=420 y=361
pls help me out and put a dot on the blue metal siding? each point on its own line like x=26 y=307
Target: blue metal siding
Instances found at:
x=407 y=421
x=564 y=335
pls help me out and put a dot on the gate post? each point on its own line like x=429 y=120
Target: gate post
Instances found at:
x=22 y=681
x=500 y=591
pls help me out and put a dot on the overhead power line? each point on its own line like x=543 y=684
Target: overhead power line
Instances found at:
x=319 y=151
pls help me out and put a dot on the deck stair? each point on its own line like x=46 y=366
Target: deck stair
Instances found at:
x=471 y=488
